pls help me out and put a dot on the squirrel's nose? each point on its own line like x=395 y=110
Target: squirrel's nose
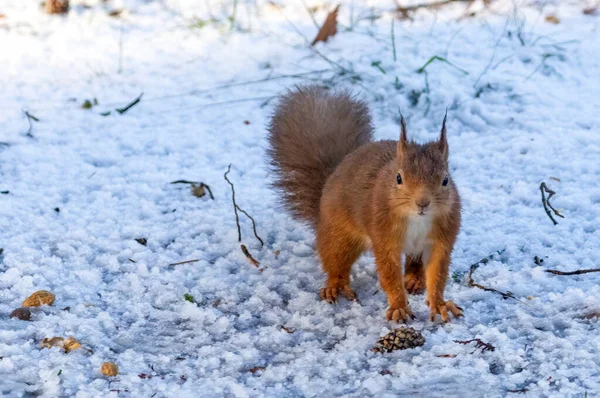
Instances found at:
x=423 y=203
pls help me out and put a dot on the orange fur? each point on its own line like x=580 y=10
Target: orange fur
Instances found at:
x=361 y=202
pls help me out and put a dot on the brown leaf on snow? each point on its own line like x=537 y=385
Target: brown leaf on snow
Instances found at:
x=109 y=369
x=71 y=344
x=52 y=342
x=115 y=13
x=256 y=369
x=553 y=19
x=329 y=28
x=39 y=298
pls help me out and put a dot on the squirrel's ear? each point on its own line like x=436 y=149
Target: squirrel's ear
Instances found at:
x=443 y=142
x=403 y=137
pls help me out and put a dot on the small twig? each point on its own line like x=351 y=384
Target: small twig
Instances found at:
x=131 y=105
x=485 y=260
x=520 y=390
x=253 y=225
x=237 y=208
x=576 y=272
x=30 y=117
x=480 y=344
x=286 y=329
x=183 y=262
x=252 y=260
x=196 y=184
x=546 y=202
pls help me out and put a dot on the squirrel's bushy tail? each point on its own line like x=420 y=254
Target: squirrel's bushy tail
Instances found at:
x=311 y=131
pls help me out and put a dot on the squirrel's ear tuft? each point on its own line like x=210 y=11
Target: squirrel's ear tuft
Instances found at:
x=443 y=142
x=402 y=143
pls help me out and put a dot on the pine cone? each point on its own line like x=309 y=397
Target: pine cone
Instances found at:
x=399 y=339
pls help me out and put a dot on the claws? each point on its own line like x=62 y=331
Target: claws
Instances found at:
x=414 y=283
x=443 y=309
x=397 y=314
x=330 y=294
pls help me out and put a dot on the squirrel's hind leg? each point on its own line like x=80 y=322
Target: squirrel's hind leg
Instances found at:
x=414 y=275
x=338 y=251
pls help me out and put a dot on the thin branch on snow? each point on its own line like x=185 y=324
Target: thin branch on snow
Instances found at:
x=252 y=260
x=183 y=262
x=472 y=283
x=196 y=184
x=480 y=344
x=576 y=272
x=130 y=105
x=30 y=117
x=237 y=208
x=546 y=202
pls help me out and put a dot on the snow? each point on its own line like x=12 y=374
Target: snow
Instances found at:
x=527 y=111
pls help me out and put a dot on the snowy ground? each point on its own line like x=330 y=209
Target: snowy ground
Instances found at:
x=526 y=111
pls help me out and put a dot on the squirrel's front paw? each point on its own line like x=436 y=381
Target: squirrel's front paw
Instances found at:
x=399 y=313
x=442 y=308
x=330 y=294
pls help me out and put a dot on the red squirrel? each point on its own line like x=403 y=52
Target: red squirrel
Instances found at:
x=394 y=197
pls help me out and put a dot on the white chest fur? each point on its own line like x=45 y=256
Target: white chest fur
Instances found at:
x=416 y=237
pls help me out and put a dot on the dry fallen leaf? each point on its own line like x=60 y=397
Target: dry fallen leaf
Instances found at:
x=21 y=313
x=71 y=344
x=286 y=329
x=52 y=342
x=198 y=190
x=142 y=241
x=115 y=13
x=329 y=28
x=41 y=297
x=553 y=19
x=57 y=6
x=256 y=369
x=590 y=315
x=110 y=369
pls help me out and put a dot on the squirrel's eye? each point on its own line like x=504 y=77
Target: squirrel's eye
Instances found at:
x=399 y=179
x=445 y=182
